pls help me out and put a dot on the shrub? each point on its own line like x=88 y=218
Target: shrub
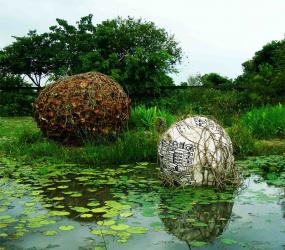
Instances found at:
x=266 y=122
x=222 y=105
x=150 y=118
x=15 y=102
x=243 y=142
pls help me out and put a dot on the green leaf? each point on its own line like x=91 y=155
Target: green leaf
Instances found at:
x=120 y=227
x=66 y=228
x=228 y=241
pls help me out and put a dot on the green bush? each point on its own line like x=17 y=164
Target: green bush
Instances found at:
x=15 y=102
x=149 y=118
x=266 y=122
x=243 y=142
x=223 y=105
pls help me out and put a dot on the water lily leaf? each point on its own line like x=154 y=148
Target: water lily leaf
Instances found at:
x=66 y=227
x=143 y=163
x=29 y=204
x=40 y=223
x=228 y=241
x=99 y=210
x=110 y=214
x=137 y=230
x=106 y=222
x=59 y=206
x=59 y=213
x=50 y=233
x=47 y=205
x=197 y=243
x=76 y=195
x=98 y=248
x=58 y=198
x=86 y=215
x=62 y=187
x=103 y=232
x=80 y=209
x=120 y=227
x=126 y=214
x=3 y=225
x=93 y=204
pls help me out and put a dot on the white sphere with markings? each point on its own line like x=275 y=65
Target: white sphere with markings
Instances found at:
x=196 y=151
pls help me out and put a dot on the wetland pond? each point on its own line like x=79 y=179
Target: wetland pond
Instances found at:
x=127 y=207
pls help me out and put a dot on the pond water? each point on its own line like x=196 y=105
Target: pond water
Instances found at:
x=66 y=207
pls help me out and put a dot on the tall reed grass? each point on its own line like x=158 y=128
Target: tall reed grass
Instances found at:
x=149 y=118
x=266 y=122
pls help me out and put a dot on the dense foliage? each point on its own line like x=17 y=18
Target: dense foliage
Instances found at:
x=264 y=75
x=266 y=122
x=136 y=53
x=15 y=101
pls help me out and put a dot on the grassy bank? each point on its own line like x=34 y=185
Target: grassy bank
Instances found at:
x=20 y=138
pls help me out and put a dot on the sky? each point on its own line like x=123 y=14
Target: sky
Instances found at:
x=215 y=35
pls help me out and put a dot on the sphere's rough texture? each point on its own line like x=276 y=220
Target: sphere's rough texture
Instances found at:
x=197 y=151
x=89 y=103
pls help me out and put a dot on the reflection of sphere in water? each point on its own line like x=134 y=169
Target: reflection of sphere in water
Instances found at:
x=197 y=151
x=202 y=223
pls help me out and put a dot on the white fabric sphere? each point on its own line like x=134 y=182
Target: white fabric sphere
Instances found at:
x=196 y=151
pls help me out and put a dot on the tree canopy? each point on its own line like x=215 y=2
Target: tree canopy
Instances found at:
x=134 y=52
x=264 y=74
x=30 y=55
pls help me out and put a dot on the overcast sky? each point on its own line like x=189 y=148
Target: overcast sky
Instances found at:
x=215 y=35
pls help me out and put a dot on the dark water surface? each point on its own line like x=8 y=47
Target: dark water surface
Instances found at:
x=128 y=208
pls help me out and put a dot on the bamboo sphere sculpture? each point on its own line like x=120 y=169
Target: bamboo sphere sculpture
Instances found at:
x=197 y=151
x=89 y=103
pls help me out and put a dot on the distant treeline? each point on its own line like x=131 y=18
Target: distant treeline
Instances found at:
x=136 y=53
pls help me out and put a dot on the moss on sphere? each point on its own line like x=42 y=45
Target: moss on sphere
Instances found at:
x=79 y=105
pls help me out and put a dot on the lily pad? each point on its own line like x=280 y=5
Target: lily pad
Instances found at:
x=228 y=241
x=120 y=227
x=106 y=222
x=197 y=243
x=66 y=228
x=86 y=215
x=137 y=230
x=126 y=214
x=50 y=233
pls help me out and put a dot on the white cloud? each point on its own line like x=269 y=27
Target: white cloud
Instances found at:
x=216 y=35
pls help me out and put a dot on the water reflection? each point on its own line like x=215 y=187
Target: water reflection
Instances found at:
x=79 y=192
x=202 y=222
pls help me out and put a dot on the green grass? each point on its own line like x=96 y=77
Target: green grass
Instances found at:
x=20 y=138
x=266 y=122
x=149 y=118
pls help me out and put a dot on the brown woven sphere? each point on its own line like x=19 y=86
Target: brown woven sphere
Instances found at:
x=83 y=104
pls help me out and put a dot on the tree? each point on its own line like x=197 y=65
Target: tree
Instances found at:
x=215 y=80
x=263 y=75
x=73 y=47
x=194 y=80
x=30 y=56
x=134 y=52
x=15 y=102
